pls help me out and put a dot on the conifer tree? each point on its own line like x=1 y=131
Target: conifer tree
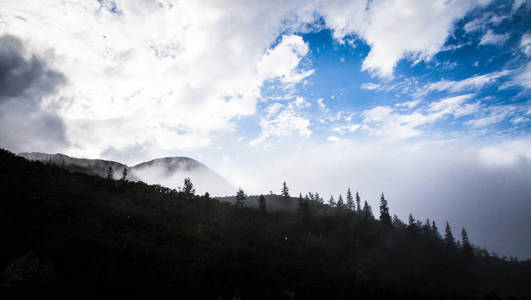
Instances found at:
x=434 y=228
x=467 y=247
x=110 y=175
x=332 y=202
x=350 y=200
x=448 y=236
x=262 y=202
x=124 y=174
x=340 y=203
x=385 y=217
x=358 y=202
x=240 y=198
x=367 y=211
x=188 y=188
x=317 y=197
x=285 y=191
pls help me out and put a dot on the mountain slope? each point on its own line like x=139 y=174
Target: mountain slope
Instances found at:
x=168 y=171
x=74 y=236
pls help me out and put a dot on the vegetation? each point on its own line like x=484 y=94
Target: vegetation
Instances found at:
x=71 y=235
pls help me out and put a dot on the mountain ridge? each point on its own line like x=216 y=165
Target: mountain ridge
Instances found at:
x=167 y=171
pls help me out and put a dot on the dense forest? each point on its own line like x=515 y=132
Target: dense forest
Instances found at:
x=71 y=235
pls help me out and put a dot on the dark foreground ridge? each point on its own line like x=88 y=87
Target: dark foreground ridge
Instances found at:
x=75 y=236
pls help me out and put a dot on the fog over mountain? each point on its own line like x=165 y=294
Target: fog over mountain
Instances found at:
x=168 y=171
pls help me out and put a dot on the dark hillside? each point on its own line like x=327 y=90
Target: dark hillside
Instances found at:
x=75 y=236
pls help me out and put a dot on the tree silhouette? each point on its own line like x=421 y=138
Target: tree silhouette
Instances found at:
x=262 y=203
x=124 y=174
x=188 y=188
x=285 y=191
x=448 y=236
x=110 y=175
x=385 y=217
x=332 y=202
x=240 y=198
x=340 y=203
x=358 y=202
x=350 y=200
x=367 y=211
x=467 y=247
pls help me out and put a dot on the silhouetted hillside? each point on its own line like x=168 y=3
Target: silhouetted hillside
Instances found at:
x=75 y=236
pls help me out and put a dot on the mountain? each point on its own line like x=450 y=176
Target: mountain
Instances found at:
x=167 y=171
x=75 y=236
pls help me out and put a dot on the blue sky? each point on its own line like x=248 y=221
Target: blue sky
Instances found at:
x=427 y=101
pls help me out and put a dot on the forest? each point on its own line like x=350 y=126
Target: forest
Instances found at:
x=68 y=235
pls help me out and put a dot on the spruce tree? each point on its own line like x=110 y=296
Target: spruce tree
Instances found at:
x=358 y=202
x=367 y=211
x=448 y=236
x=332 y=202
x=434 y=228
x=110 y=175
x=340 y=203
x=124 y=174
x=188 y=188
x=285 y=191
x=350 y=200
x=240 y=198
x=262 y=203
x=385 y=217
x=467 y=247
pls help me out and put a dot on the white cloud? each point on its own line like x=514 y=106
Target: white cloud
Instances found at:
x=370 y=86
x=168 y=74
x=300 y=102
x=490 y=38
x=506 y=153
x=282 y=61
x=523 y=78
x=385 y=122
x=395 y=29
x=468 y=84
x=346 y=128
x=284 y=124
x=408 y=104
x=525 y=44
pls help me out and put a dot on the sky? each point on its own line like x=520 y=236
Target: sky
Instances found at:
x=426 y=101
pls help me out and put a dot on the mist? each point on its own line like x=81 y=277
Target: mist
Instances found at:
x=486 y=190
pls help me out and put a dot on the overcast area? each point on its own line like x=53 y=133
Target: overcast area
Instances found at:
x=426 y=101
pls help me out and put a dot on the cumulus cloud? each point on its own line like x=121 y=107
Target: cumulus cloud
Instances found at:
x=27 y=100
x=170 y=74
x=395 y=29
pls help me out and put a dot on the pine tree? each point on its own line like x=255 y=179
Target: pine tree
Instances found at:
x=188 y=188
x=340 y=203
x=350 y=200
x=434 y=228
x=240 y=198
x=285 y=191
x=467 y=247
x=318 y=198
x=110 y=175
x=385 y=217
x=358 y=202
x=332 y=202
x=367 y=211
x=124 y=174
x=262 y=203
x=448 y=236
